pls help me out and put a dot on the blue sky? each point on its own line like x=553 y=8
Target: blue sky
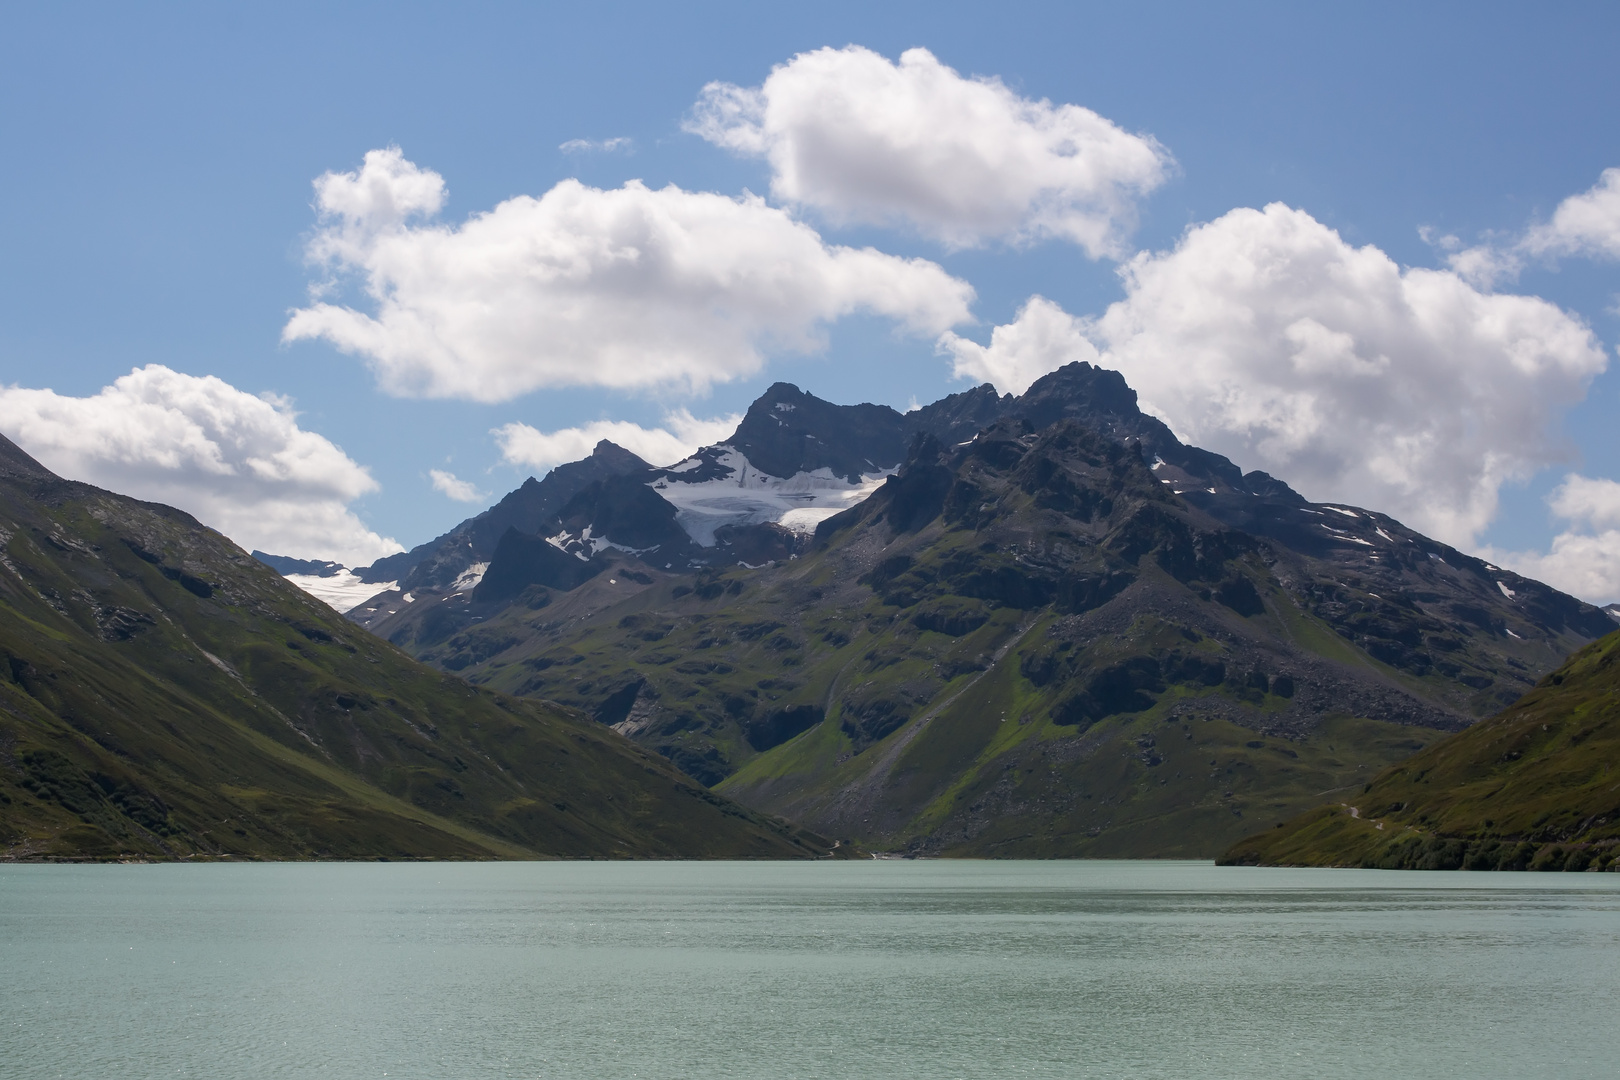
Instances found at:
x=159 y=210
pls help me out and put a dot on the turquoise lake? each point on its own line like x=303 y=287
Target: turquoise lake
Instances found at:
x=876 y=969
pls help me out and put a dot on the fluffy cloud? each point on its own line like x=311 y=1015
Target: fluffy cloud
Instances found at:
x=1584 y=559
x=236 y=462
x=1264 y=336
x=1595 y=503
x=625 y=288
x=1586 y=224
x=448 y=485
x=681 y=434
x=1042 y=338
x=963 y=160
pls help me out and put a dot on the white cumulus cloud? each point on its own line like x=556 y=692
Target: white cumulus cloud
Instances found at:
x=1265 y=337
x=681 y=434
x=1041 y=339
x=452 y=487
x=1584 y=559
x=628 y=288
x=964 y=160
x=238 y=463
x=1585 y=224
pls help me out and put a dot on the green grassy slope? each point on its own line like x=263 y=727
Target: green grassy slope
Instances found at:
x=1535 y=787
x=162 y=694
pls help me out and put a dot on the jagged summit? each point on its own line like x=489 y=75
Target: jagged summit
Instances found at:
x=787 y=432
x=445 y=560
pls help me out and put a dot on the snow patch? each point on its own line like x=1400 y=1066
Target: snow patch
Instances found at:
x=1342 y=535
x=1507 y=592
x=1346 y=513
x=743 y=495
x=585 y=546
x=342 y=591
x=1511 y=634
x=470 y=577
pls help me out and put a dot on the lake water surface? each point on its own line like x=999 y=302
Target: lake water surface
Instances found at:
x=756 y=970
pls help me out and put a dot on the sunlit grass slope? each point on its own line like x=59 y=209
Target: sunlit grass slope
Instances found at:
x=1535 y=787
x=162 y=695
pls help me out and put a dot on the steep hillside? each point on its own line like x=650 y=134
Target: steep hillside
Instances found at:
x=1046 y=639
x=1536 y=787
x=162 y=694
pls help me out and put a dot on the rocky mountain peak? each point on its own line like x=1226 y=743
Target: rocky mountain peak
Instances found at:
x=787 y=432
x=611 y=456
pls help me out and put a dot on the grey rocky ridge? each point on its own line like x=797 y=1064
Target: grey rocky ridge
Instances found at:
x=1008 y=625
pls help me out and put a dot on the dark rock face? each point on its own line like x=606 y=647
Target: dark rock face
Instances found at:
x=788 y=431
x=521 y=560
x=917 y=496
x=957 y=418
x=780 y=725
x=624 y=510
x=757 y=545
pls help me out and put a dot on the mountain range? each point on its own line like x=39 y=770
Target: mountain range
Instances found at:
x=1004 y=625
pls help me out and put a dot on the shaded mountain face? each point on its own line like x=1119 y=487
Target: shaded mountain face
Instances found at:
x=163 y=694
x=1065 y=634
x=284 y=565
x=1536 y=787
x=787 y=432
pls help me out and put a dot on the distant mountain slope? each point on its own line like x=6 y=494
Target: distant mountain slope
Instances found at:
x=1536 y=787
x=1176 y=647
x=528 y=508
x=162 y=694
